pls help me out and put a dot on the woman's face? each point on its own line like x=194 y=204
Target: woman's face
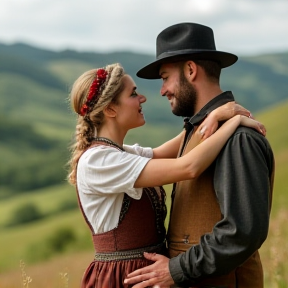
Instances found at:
x=129 y=113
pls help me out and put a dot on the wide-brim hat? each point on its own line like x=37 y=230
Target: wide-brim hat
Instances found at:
x=185 y=41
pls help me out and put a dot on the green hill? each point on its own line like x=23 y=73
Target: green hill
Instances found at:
x=52 y=201
x=61 y=233
x=258 y=82
x=275 y=120
x=37 y=124
x=36 y=127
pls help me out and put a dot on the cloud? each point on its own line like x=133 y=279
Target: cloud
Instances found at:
x=240 y=26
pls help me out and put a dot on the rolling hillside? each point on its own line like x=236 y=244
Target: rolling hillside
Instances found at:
x=37 y=124
x=29 y=242
x=262 y=77
x=36 y=127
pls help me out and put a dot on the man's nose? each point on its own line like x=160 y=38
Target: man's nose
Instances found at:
x=163 y=91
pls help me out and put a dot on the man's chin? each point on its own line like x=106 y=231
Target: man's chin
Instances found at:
x=176 y=113
x=181 y=112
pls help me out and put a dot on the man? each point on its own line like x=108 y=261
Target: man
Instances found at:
x=219 y=220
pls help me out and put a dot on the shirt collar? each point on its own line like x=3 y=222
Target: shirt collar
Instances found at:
x=219 y=100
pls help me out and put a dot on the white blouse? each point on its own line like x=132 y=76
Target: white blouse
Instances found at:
x=104 y=174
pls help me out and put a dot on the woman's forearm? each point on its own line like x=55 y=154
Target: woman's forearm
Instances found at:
x=169 y=149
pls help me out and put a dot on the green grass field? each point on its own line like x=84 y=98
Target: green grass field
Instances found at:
x=20 y=241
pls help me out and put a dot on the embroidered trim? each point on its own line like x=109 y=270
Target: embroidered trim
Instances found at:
x=107 y=141
x=158 y=206
x=125 y=206
x=128 y=254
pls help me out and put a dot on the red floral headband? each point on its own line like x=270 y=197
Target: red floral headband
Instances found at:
x=93 y=94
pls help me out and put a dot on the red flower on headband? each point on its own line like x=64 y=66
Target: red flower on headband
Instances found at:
x=92 y=98
x=101 y=73
x=83 y=110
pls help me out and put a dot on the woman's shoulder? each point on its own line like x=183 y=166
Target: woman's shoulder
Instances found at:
x=99 y=152
x=103 y=155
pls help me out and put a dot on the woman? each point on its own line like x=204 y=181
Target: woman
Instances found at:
x=125 y=218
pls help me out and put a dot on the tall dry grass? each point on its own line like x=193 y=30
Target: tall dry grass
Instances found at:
x=60 y=272
x=25 y=278
x=274 y=252
x=66 y=271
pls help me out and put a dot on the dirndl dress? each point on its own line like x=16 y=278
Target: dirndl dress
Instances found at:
x=118 y=252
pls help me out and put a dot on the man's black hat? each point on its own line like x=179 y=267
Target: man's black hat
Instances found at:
x=185 y=41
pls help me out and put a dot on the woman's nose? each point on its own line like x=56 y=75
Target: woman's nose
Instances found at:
x=142 y=98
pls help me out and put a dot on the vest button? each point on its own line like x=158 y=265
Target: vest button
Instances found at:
x=186 y=239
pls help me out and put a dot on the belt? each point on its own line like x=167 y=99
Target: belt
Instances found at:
x=128 y=254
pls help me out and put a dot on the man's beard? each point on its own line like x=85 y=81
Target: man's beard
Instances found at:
x=186 y=98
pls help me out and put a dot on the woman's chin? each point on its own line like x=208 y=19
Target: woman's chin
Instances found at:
x=141 y=123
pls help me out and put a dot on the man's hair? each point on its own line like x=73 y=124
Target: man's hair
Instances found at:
x=211 y=68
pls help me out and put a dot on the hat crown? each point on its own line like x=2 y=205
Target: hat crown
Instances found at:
x=182 y=42
x=183 y=37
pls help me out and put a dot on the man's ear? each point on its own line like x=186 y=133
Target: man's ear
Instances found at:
x=190 y=70
x=110 y=111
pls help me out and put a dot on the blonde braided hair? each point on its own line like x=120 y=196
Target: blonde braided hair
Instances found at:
x=87 y=125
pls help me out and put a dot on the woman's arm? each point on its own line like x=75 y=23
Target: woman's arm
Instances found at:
x=170 y=148
x=164 y=171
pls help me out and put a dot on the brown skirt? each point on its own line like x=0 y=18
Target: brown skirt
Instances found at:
x=111 y=274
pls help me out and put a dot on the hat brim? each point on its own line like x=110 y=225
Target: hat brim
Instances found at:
x=151 y=71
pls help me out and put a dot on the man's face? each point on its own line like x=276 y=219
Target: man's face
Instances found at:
x=180 y=93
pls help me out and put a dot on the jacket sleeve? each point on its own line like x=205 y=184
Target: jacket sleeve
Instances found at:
x=242 y=180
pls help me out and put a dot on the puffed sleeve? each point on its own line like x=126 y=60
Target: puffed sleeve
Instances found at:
x=108 y=170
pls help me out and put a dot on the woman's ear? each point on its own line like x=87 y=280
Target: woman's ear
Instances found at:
x=110 y=111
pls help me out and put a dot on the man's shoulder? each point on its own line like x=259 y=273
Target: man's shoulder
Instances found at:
x=248 y=131
x=247 y=146
x=247 y=137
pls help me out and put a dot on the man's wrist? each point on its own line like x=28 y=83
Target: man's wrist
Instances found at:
x=175 y=269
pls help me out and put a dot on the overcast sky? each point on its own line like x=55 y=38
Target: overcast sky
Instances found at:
x=244 y=27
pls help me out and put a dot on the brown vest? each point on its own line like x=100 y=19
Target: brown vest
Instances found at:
x=194 y=212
